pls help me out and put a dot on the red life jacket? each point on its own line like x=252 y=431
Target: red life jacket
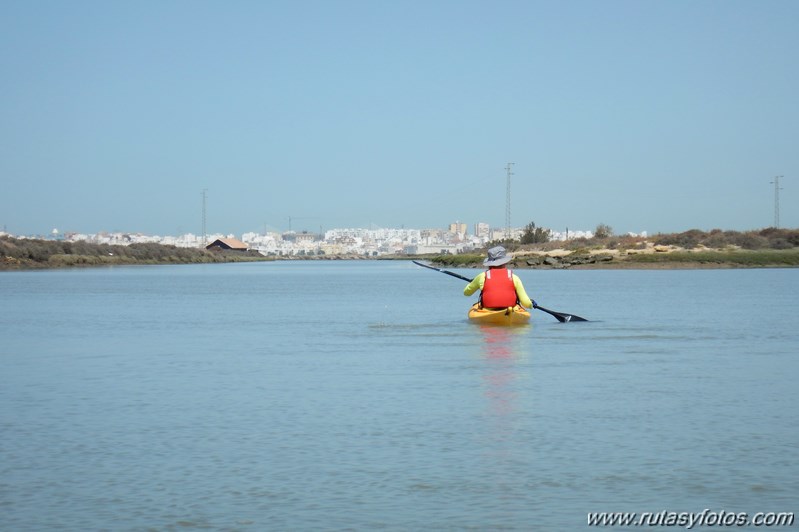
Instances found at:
x=498 y=289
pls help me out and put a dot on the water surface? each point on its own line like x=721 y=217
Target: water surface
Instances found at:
x=355 y=395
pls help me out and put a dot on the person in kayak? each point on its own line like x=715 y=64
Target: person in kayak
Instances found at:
x=500 y=287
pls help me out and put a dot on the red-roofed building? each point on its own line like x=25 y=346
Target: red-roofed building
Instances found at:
x=227 y=244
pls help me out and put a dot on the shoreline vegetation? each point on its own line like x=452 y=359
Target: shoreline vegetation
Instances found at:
x=29 y=254
x=767 y=248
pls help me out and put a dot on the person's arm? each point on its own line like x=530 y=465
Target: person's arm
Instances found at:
x=524 y=299
x=476 y=284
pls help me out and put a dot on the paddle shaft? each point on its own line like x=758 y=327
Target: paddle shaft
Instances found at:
x=453 y=274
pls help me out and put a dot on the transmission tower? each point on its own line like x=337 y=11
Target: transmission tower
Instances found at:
x=205 y=236
x=507 y=201
x=777 y=201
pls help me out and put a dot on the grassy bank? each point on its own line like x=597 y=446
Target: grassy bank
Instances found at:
x=691 y=249
x=739 y=258
x=606 y=259
x=765 y=248
x=18 y=254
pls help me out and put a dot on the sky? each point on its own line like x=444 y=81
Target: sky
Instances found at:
x=657 y=116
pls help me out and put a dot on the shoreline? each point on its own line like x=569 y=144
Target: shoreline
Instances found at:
x=650 y=258
x=643 y=257
x=662 y=265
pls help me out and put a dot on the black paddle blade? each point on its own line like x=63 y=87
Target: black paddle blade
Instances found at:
x=562 y=316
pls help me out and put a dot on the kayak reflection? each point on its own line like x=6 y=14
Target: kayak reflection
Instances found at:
x=502 y=349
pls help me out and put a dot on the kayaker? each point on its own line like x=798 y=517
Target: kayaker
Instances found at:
x=501 y=288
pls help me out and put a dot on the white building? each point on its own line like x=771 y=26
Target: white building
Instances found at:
x=482 y=230
x=344 y=241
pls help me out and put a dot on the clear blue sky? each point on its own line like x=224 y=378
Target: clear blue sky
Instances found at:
x=656 y=116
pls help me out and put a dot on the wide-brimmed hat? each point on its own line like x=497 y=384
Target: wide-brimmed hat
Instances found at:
x=497 y=257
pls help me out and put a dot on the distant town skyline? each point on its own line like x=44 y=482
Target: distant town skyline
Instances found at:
x=478 y=229
x=342 y=241
x=645 y=116
x=298 y=225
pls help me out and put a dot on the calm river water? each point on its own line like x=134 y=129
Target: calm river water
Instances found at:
x=355 y=395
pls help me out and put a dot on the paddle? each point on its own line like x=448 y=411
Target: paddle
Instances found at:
x=459 y=276
x=561 y=316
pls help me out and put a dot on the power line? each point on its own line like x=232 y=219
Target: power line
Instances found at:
x=777 y=201
x=507 y=201
x=205 y=236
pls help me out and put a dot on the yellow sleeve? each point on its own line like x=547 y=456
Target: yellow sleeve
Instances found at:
x=524 y=299
x=476 y=284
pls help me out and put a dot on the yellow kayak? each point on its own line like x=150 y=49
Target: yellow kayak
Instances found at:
x=507 y=316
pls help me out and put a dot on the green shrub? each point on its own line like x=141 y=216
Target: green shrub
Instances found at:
x=46 y=253
x=744 y=258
